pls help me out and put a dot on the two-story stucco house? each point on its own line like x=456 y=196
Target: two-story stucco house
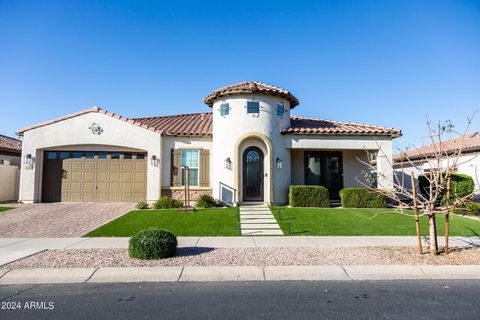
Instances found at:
x=247 y=148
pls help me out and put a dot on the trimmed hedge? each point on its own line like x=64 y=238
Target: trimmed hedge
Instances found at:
x=205 y=201
x=461 y=185
x=309 y=196
x=362 y=198
x=473 y=208
x=167 y=203
x=150 y=244
x=470 y=209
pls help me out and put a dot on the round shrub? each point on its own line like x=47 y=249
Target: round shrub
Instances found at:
x=205 y=201
x=142 y=205
x=309 y=196
x=362 y=198
x=152 y=244
x=167 y=203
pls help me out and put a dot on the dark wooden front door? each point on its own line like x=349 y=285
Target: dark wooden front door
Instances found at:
x=253 y=174
x=325 y=169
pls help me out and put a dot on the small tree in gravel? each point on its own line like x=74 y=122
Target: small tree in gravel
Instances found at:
x=440 y=195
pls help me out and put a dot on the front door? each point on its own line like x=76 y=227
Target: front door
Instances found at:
x=253 y=174
x=324 y=169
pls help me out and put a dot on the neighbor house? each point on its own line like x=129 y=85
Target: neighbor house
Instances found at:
x=10 y=157
x=247 y=148
x=420 y=161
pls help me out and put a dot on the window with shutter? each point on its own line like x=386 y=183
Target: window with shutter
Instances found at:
x=175 y=164
x=204 y=168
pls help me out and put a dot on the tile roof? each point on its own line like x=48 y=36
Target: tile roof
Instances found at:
x=200 y=124
x=192 y=124
x=250 y=87
x=470 y=144
x=302 y=125
x=10 y=144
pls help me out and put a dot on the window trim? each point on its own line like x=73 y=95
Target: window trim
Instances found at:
x=224 y=109
x=282 y=106
x=197 y=167
x=253 y=102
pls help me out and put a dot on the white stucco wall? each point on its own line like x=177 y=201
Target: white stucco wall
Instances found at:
x=73 y=133
x=231 y=130
x=172 y=142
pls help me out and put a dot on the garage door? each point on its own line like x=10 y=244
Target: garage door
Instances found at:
x=78 y=176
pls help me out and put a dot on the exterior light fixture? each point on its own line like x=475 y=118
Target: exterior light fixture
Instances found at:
x=154 y=160
x=28 y=160
x=228 y=164
x=279 y=163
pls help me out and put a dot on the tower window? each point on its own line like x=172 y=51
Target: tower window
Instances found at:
x=280 y=110
x=253 y=107
x=224 y=109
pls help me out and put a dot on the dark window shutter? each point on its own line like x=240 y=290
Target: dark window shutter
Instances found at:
x=204 y=168
x=176 y=161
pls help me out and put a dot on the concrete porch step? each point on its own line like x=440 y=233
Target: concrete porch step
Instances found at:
x=256 y=216
x=260 y=226
x=257 y=221
x=259 y=232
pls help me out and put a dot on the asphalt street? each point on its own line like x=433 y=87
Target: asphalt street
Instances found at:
x=449 y=299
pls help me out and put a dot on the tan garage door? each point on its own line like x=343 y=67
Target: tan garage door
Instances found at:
x=80 y=176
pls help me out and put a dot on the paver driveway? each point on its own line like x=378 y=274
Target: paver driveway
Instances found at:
x=58 y=219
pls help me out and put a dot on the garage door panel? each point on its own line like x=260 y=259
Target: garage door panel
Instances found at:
x=140 y=177
x=90 y=165
x=127 y=197
x=114 y=187
x=90 y=175
x=115 y=165
x=128 y=165
x=104 y=180
x=115 y=176
x=88 y=197
x=139 y=187
x=102 y=165
x=128 y=177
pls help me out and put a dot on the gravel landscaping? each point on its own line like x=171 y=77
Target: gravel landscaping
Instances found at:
x=70 y=258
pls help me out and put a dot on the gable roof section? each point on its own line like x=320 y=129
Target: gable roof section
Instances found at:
x=302 y=125
x=76 y=114
x=250 y=87
x=9 y=144
x=470 y=144
x=191 y=124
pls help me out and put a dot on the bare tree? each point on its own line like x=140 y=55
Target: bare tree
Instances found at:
x=441 y=161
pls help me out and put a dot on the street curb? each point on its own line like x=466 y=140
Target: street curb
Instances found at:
x=239 y=273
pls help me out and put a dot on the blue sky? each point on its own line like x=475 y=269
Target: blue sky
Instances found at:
x=381 y=62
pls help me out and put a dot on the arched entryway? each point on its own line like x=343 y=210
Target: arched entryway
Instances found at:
x=253 y=173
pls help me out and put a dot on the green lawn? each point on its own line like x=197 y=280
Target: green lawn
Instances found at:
x=365 y=222
x=4 y=209
x=203 y=222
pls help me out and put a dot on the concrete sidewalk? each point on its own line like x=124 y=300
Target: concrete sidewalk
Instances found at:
x=12 y=249
x=240 y=273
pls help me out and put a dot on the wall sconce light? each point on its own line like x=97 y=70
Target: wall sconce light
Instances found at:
x=154 y=160
x=279 y=163
x=228 y=164
x=28 y=160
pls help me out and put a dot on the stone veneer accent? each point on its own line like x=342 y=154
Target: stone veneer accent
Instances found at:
x=180 y=193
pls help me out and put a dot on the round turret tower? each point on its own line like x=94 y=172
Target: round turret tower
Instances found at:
x=248 y=147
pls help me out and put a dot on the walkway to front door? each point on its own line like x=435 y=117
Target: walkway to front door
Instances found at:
x=258 y=220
